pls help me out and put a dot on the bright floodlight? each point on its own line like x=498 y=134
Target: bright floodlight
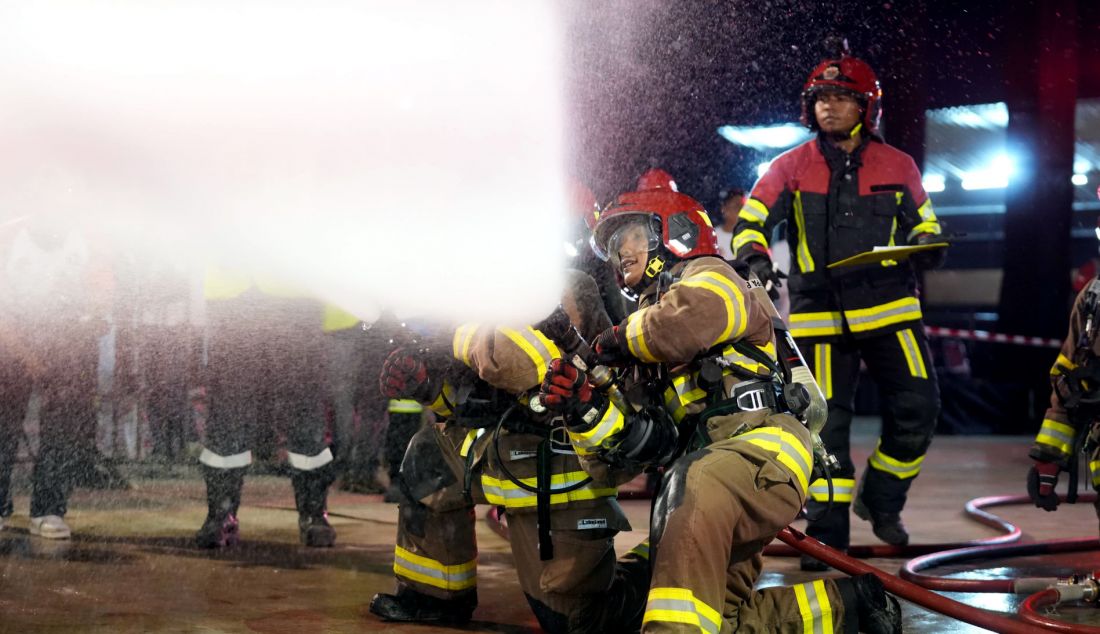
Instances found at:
x=1079 y=179
x=403 y=154
x=983 y=116
x=996 y=176
x=775 y=137
x=933 y=183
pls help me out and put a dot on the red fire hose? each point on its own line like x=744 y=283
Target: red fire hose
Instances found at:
x=975 y=510
x=1052 y=596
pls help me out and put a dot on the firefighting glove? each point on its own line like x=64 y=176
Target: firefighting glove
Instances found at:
x=611 y=347
x=761 y=266
x=566 y=391
x=931 y=259
x=405 y=375
x=1041 y=480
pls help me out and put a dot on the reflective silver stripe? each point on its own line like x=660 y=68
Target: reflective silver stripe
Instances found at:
x=309 y=463
x=1048 y=430
x=908 y=307
x=811 y=608
x=236 y=461
x=430 y=572
x=731 y=297
x=683 y=606
x=842 y=490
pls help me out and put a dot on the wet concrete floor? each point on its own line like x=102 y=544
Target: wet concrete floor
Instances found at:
x=130 y=566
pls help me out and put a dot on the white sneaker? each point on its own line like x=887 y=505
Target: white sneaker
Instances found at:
x=50 y=527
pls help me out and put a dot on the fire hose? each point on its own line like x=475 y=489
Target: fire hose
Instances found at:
x=918 y=588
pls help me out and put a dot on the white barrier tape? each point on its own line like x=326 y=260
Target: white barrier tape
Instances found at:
x=993 y=337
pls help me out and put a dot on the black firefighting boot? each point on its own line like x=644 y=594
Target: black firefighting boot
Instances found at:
x=831 y=529
x=310 y=496
x=621 y=607
x=410 y=606
x=223 y=497
x=865 y=599
x=886 y=526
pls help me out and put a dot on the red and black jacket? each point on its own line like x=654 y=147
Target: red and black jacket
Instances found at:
x=838 y=205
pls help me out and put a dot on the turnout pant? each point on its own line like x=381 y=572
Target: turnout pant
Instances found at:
x=436 y=551
x=719 y=507
x=265 y=368
x=900 y=363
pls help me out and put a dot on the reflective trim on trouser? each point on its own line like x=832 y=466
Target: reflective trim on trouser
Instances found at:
x=912 y=351
x=679 y=605
x=1056 y=435
x=842 y=490
x=893 y=466
x=1094 y=472
x=814 y=605
x=433 y=573
x=235 y=461
x=309 y=463
x=404 y=406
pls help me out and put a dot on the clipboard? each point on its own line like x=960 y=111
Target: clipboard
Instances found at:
x=878 y=254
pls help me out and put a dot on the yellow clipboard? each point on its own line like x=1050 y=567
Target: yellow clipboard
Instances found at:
x=878 y=254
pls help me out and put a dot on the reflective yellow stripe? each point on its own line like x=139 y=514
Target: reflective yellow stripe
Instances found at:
x=433 y=573
x=731 y=355
x=866 y=319
x=787 y=447
x=405 y=406
x=893 y=231
x=913 y=357
x=679 y=605
x=464 y=334
x=1062 y=362
x=538 y=348
x=471 y=437
x=1094 y=471
x=924 y=227
x=673 y=405
x=748 y=236
x=927 y=214
x=823 y=368
x=611 y=423
x=641 y=550
x=509 y=494
x=635 y=341
x=842 y=489
x=1056 y=435
x=814 y=606
x=805 y=260
x=815 y=324
x=439 y=405
x=754 y=211
x=731 y=296
x=897 y=468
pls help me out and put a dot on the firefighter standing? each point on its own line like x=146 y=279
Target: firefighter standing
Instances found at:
x=480 y=377
x=707 y=383
x=844 y=193
x=265 y=367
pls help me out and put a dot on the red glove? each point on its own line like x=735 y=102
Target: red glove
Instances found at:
x=566 y=390
x=1041 y=480
x=404 y=375
x=611 y=348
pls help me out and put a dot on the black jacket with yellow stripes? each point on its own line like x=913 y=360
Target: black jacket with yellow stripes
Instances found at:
x=838 y=205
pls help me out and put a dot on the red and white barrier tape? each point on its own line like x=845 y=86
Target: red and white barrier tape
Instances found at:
x=994 y=337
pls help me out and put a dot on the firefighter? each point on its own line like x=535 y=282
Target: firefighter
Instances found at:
x=704 y=382
x=1072 y=422
x=842 y=193
x=265 y=369
x=490 y=449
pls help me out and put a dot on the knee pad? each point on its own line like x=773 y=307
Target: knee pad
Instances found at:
x=671 y=495
x=425 y=470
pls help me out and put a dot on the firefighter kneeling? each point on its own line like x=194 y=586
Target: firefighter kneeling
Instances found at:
x=704 y=377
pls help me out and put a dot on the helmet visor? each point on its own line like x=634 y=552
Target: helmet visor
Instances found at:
x=633 y=238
